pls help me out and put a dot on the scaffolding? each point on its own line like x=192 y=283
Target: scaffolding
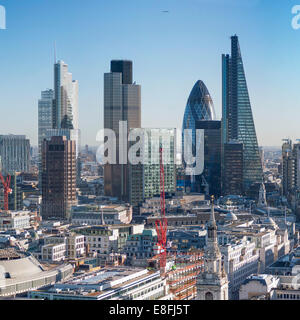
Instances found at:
x=181 y=276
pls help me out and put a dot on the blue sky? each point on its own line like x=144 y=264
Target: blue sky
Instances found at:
x=170 y=52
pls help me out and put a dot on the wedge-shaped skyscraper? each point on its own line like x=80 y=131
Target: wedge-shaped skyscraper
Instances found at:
x=237 y=119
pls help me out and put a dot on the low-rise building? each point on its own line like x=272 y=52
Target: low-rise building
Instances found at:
x=21 y=272
x=106 y=239
x=101 y=214
x=241 y=259
x=54 y=252
x=61 y=247
x=140 y=247
x=14 y=220
x=259 y=286
x=286 y=265
x=185 y=239
x=121 y=283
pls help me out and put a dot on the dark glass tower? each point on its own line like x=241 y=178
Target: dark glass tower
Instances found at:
x=122 y=102
x=233 y=168
x=199 y=107
x=58 y=177
x=210 y=180
x=124 y=67
x=237 y=119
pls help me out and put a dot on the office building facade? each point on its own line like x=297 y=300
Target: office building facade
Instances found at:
x=210 y=180
x=144 y=178
x=237 y=119
x=65 y=109
x=122 y=102
x=233 y=168
x=58 y=178
x=45 y=121
x=14 y=154
x=58 y=111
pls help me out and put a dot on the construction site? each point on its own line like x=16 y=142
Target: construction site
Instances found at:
x=180 y=269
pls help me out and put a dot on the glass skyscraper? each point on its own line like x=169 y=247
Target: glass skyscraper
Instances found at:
x=145 y=177
x=14 y=154
x=210 y=179
x=122 y=102
x=65 y=113
x=199 y=107
x=237 y=119
x=45 y=121
x=58 y=110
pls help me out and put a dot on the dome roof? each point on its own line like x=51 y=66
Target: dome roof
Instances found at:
x=199 y=106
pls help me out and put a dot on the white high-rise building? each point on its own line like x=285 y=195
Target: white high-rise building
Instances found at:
x=66 y=98
x=58 y=109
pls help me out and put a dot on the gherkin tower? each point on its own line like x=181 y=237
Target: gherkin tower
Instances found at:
x=237 y=118
x=199 y=107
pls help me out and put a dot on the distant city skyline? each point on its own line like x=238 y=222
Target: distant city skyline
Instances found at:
x=168 y=58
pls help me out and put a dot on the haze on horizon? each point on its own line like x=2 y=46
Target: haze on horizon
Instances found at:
x=170 y=52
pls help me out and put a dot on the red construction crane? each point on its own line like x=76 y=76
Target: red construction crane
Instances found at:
x=162 y=223
x=7 y=189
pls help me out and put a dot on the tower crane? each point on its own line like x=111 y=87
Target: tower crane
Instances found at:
x=161 y=224
x=7 y=189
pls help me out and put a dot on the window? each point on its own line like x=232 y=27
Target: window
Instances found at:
x=209 y=296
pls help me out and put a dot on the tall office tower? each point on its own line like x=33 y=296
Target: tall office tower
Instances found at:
x=124 y=67
x=45 y=122
x=237 y=119
x=199 y=107
x=288 y=168
x=58 y=109
x=14 y=154
x=144 y=179
x=65 y=113
x=233 y=168
x=296 y=156
x=122 y=102
x=58 y=178
x=65 y=106
x=210 y=180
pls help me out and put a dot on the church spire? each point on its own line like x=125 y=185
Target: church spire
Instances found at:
x=212 y=227
x=212 y=283
x=212 y=212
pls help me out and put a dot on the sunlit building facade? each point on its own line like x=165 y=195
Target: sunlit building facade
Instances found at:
x=122 y=102
x=237 y=119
